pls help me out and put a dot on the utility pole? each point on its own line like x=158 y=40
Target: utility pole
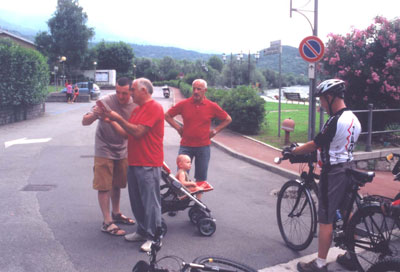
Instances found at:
x=311 y=97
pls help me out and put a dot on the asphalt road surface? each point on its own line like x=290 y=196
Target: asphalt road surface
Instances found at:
x=50 y=219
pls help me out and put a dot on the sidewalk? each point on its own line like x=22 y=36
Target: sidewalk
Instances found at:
x=262 y=155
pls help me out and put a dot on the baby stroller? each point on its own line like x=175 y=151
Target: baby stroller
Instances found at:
x=175 y=197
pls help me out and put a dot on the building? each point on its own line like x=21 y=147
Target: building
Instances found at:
x=17 y=39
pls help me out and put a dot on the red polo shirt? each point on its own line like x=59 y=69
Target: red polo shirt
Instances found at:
x=197 y=119
x=148 y=149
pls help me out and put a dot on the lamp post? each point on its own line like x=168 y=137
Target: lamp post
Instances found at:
x=63 y=59
x=55 y=76
x=239 y=58
x=231 y=63
x=256 y=56
x=94 y=77
x=134 y=71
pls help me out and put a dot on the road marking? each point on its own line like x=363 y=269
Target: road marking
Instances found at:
x=25 y=141
x=292 y=265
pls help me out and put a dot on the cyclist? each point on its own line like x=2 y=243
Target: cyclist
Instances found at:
x=335 y=144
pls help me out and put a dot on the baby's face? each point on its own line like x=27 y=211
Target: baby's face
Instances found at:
x=186 y=164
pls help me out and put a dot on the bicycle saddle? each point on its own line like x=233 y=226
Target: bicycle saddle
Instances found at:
x=360 y=177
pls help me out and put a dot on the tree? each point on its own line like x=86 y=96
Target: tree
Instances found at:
x=69 y=35
x=115 y=55
x=216 y=63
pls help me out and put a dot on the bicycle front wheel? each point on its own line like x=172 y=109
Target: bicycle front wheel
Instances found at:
x=222 y=263
x=372 y=236
x=296 y=215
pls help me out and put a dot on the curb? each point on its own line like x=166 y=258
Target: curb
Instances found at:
x=272 y=168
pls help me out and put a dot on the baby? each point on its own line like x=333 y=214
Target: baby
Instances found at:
x=184 y=164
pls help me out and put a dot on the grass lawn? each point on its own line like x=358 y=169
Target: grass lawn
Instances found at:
x=299 y=113
x=52 y=88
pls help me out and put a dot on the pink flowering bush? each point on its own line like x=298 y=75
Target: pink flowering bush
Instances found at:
x=369 y=62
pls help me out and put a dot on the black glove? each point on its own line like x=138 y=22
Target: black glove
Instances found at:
x=287 y=152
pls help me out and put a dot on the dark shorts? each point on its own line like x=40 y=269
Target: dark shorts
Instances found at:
x=334 y=190
x=69 y=95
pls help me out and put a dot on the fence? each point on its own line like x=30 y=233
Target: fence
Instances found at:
x=369 y=131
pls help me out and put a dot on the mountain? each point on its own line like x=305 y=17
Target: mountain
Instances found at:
x=291 y=60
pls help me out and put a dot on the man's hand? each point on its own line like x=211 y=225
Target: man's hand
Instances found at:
x=213 y=132
x=288 y=150
x=112 y=115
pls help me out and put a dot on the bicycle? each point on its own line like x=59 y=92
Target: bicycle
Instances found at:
x=366 y=234
x=386 y=265
x=203 y=263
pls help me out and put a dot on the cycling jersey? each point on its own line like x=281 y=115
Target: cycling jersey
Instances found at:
x=337 y=138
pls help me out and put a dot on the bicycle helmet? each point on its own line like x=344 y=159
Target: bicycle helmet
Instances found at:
x=333 y=87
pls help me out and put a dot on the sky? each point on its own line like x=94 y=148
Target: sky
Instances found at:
x=209 y=26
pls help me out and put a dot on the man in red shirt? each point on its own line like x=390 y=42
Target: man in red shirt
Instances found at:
x=197 y=113
x=145 y=132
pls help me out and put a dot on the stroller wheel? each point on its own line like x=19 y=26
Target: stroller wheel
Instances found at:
x=195 y=214
x=206 y=226
x=164 y=227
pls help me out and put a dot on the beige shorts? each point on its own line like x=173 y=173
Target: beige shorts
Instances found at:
x=109 y=173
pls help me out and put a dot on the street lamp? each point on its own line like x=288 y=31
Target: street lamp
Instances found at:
x=224 y=57
x=63 y=59
x=94 y=78
x=134 y=71
x=55 y=76
x=239 y=58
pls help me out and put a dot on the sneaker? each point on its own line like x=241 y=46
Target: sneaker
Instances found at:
x=346 y=262
x=135 y=237
x=146 y=247
x=311 y=267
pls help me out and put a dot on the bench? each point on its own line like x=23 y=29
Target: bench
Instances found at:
x=294 y=97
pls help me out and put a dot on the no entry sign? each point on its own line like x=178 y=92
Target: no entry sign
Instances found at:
x=311 y=49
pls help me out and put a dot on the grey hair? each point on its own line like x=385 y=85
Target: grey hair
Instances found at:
x=202 y=81
x=146 y=83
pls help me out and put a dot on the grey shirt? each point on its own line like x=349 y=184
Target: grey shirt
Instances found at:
x=108 y=143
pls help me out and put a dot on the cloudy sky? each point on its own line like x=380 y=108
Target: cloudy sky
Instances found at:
x=218 y=26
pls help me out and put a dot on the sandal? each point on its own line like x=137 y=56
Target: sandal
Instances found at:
x=112 y=230
x=120 y=218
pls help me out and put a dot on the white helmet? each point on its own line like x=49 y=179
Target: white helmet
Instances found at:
x=335 y=87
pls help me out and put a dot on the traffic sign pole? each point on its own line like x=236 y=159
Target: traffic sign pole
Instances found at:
x=311 y=50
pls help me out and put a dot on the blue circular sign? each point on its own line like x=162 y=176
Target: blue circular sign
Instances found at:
x=311 y=49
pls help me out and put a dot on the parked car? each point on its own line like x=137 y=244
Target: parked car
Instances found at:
x=83 y=88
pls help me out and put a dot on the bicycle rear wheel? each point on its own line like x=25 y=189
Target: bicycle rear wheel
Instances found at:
x=386 y=265
x=296 y=215
x=222 y=263
x=372 y=236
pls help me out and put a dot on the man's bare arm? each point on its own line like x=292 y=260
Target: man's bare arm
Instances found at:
x=221 y=126
x=136 y=131
x=170 y=120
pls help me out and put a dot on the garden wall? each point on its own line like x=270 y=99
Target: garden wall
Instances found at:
x=19 y=113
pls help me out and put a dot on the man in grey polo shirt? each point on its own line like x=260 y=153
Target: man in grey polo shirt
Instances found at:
x=110 y=162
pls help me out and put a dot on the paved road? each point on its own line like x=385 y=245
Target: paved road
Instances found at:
x=56 y=226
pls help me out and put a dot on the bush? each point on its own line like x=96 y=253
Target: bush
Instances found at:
x=24 y=75
x=246 y=108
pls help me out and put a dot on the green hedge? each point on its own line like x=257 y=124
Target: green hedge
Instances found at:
x=24 y=75
x=244 y=105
